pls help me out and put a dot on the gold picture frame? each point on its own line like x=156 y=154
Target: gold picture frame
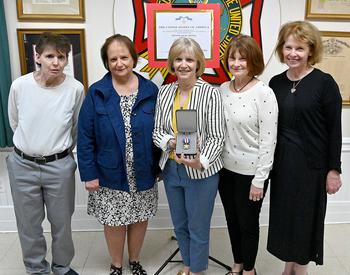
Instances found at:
x=336 y=60
x=76 y=59
x=327 y=10
x=50 y=10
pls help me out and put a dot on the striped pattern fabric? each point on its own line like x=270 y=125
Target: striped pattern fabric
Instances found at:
x=210 y=125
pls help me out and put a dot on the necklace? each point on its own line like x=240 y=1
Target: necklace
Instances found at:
x=294 y=88
x=239 y=89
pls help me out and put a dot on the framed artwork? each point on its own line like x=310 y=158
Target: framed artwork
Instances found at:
x=167 y=22
x=336 y=60
x=327 y=9
x=50 y=10
x=27 y=38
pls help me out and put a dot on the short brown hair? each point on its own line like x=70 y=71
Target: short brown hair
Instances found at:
x=302 y=31
x=184 y=44
x=58 y=41
x=121 y=39
x=249 y=49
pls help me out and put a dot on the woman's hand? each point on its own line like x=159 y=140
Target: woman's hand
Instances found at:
x=256 y=194
x=92 y=185
x=193 y=163
x=333 y=182
x=171 y=145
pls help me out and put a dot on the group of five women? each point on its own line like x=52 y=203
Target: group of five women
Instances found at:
x=288 y=132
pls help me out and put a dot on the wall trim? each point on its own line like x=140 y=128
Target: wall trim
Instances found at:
x=346 y=144
x=338 y=211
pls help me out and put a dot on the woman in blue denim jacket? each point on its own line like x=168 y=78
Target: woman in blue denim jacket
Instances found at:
x=117 y=159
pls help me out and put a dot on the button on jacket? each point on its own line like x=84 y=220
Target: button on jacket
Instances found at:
x=101 y=136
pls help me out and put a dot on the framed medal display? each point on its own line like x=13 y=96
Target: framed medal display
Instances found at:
x=186 y=139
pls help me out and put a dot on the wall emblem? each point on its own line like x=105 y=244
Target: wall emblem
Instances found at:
x=253 y=17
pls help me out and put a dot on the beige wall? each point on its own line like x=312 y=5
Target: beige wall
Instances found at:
x=98 y=26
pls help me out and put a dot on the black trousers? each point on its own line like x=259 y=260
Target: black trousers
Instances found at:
x=242 y=216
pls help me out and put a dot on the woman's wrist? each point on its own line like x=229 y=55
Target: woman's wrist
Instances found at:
x=201 y=167
x=170 y=145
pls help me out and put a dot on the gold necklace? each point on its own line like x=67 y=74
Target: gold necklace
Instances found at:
x=239 y=89
x=294 y=87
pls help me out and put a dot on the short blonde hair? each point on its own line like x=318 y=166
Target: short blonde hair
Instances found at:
x=302 y=31
x=189 y=45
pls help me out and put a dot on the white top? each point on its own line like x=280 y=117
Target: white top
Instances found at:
x=251 y=131
x=44 y=120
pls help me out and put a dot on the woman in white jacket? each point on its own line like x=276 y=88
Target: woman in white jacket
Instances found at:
x=190 y=182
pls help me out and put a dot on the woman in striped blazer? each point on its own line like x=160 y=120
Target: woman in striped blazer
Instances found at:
x=190 y=181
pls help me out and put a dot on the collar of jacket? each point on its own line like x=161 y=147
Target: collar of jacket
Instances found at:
x=105 y=87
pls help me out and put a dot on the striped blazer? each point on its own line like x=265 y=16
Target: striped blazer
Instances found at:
x=210 y=126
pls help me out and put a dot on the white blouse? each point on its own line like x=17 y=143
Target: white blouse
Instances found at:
x=251 y=130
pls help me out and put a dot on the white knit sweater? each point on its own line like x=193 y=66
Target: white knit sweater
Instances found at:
x=251 y=130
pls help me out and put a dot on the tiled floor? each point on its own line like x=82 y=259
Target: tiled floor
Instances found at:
x=92 y=256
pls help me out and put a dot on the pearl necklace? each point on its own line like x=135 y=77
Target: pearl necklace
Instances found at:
x=239 y=89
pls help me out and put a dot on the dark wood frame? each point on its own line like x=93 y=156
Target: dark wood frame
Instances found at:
x=28 y=37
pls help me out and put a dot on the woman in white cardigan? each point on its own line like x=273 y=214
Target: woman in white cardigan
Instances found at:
x=190 y=182
x=251 y=112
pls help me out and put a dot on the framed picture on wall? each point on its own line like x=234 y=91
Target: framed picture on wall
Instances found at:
x=327 y=10
x=167 y=22
x=52 y=10
x=336 y=60
x=27 y=38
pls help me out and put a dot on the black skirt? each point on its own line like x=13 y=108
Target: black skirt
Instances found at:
x=298 y=202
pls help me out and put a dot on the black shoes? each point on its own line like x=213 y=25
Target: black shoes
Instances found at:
x=115 y=270
x=137 y=269
x=71 y=272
